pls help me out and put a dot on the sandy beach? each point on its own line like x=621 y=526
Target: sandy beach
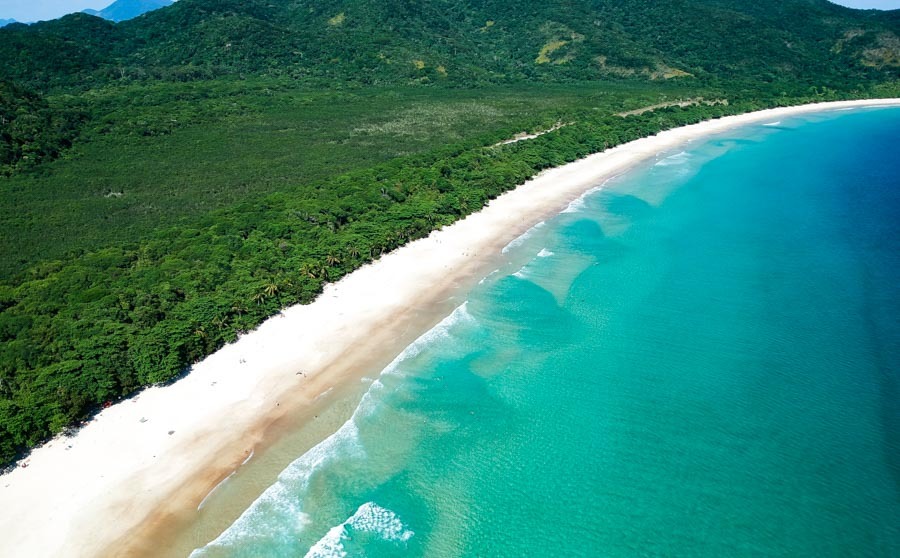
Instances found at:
x=148 y=460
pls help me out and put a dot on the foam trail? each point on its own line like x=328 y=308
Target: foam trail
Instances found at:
x=249 y=457
x=575 y=206
x=578 y=203
x=459 y=315
x=522 y=273
x=519 y=240
x=214 y=489
x=677 y=159
x=369 y=518
x=281 y=500
x=488 y=276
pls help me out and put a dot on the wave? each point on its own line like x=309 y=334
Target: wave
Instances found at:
x=249 y=457
x=281 y=500
x=523 y=272
x=223 y=481
x=215 y=488
x=440 y=331
x=285 y=497
x=488 y=276
x=369 y=518
x=578 y=203
x=672 y=160
x=776 y=123
x=519 y=240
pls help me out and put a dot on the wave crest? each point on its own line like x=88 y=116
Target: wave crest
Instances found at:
x=369 y=518
x=519 y=240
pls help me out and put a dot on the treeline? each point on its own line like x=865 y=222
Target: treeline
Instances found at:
x=99 y=326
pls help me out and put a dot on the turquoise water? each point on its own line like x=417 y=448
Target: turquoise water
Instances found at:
x=702 y=358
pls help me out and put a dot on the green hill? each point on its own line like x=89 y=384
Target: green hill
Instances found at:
x=466 y=42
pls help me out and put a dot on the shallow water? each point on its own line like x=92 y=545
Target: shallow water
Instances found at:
x=700 y=359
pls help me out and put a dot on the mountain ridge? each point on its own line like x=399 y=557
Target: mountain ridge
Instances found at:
x=122 y=10
x=477 y=41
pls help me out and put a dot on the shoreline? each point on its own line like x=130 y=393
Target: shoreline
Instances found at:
x=143 y=466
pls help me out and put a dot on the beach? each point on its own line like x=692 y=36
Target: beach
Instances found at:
x=143 y=462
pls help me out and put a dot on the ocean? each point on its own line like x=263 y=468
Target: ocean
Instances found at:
x=701 y=357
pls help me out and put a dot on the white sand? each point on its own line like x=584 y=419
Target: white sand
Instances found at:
x=79 y=495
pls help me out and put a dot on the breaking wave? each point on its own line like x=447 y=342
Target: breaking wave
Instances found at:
x=369 y=518
x=285 y=497
x=519 y=240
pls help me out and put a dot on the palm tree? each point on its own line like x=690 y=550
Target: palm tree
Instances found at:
x=332 y=260
x=271 y=289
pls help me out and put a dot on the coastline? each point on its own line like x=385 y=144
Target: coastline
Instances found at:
x=145 y=460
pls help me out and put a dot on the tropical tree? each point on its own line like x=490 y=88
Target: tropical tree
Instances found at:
x=271 y=289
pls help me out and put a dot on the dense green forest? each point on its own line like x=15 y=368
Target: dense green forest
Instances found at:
x=32 y=132
x=471 y=42
x=170 y=181
x=161 y=154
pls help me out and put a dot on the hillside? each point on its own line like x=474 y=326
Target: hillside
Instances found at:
x=122 y=10
x=32 y=131
x=466 y=42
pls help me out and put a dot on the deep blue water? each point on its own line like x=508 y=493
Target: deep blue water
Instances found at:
x=702 y=358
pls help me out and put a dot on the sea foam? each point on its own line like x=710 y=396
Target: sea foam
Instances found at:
x=369 y=518
x=281 y=499
x=519 y=240
x=440 y=331
x=285 y=497
x=676 y=159
x=578 y=203
x=214 y=489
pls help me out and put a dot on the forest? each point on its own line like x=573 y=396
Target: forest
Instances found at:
x=171 y=181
